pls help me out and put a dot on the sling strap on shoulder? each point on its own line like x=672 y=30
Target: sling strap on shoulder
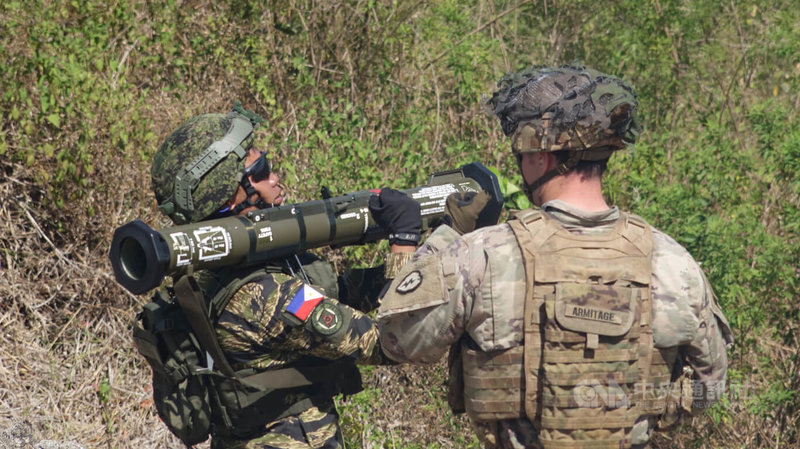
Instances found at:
x=193 y=304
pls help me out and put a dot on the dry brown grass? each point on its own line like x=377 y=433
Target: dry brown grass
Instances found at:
x=58 y=341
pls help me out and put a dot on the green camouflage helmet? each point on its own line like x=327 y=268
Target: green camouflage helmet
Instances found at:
x=198 y=167
x=566 y=108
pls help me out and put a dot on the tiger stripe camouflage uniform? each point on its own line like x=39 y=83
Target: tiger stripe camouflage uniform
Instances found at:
x=253 y=332
x=314 y=428
x=197 y=173
x=475 y=285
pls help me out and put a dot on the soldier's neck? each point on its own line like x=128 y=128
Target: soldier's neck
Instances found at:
x=580 y=191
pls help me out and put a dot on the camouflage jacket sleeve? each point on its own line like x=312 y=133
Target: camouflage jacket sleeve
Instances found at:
x=256 y=329
x=435 y=298
x=687 y=315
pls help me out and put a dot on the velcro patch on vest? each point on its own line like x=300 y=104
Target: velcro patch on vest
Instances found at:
x=591 y=313
x=595 y=309
x=420 y=287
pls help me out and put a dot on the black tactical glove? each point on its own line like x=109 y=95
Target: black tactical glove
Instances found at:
x=398 y=214
x=462 y=210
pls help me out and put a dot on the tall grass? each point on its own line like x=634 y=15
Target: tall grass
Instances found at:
x=366 y=93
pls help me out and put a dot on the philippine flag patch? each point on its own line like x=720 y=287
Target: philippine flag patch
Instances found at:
x=304 y=302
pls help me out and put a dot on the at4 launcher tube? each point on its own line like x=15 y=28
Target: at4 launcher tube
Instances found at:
x=142 y=257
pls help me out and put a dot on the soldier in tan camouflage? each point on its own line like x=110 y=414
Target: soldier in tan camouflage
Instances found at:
x=575 y=325
x=284 y=319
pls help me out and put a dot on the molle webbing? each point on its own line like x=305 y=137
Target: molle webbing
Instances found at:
x=588 y=352
x=494 y=383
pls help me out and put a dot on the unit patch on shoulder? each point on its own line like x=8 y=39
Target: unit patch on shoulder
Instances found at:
x=326 y=318
x=410 y=282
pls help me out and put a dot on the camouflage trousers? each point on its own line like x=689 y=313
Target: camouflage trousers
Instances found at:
x=315 y=428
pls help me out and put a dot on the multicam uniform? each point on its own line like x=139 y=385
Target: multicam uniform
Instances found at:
x=474 y=287
x=255 y=331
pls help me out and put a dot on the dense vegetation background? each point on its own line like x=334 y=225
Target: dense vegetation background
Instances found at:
x=365 y=93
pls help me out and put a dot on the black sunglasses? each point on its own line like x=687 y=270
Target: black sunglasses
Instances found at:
x=260 y=169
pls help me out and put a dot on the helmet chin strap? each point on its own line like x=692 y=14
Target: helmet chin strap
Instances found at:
x=562 y=169
x=259 y=202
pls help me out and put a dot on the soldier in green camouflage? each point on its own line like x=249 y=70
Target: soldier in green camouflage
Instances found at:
x=576 y=325
x=284 y=319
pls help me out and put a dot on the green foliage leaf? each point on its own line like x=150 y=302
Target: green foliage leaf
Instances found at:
x=54 y=120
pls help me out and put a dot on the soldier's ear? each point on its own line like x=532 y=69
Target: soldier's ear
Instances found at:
x=549 y=160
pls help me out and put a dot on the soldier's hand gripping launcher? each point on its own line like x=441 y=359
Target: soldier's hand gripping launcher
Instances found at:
x=141 y=257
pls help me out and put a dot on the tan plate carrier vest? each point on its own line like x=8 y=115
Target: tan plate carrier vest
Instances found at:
x=587 y=370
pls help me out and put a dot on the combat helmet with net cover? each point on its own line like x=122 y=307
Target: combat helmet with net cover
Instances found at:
x=571 y=108
x=198 y=168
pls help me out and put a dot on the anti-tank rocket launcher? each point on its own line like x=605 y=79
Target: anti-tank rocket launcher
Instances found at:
x=141 y=257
